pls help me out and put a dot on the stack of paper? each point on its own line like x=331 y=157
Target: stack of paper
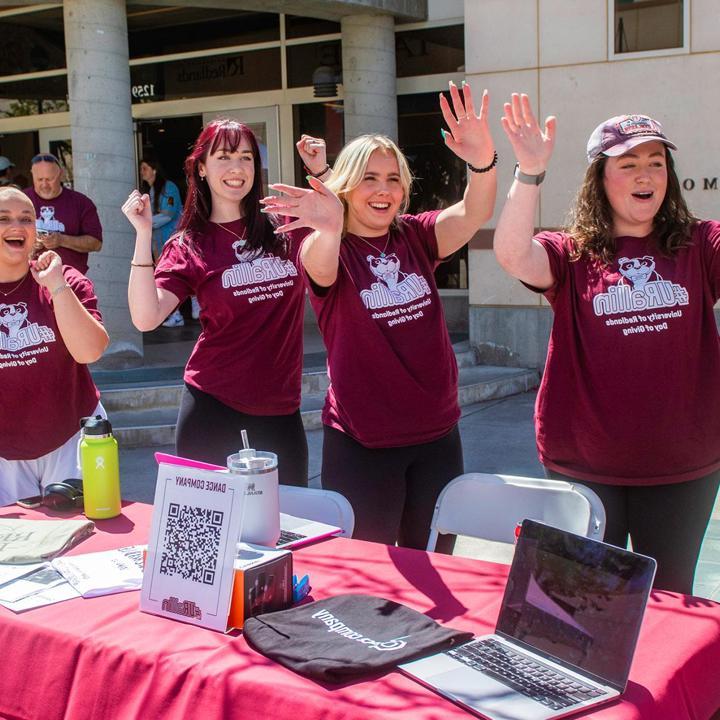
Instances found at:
x=24 y=587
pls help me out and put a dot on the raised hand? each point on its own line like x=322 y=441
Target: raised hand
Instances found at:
x=317 y=208
x=138 y=211
x=313 y=153
x=469 y=136
x=47 y=270
x=531 y=145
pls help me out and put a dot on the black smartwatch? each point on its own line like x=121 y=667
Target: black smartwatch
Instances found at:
x=522 y=177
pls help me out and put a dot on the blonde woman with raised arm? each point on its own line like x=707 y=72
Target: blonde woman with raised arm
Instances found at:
x=391 y=441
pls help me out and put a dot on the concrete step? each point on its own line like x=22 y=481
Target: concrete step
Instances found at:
x=162 y=387
x=464 y=354
x=150 y=395
x=137 y=426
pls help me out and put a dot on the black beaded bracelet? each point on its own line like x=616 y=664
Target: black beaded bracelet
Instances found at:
x=318 y=174
x=487 y=167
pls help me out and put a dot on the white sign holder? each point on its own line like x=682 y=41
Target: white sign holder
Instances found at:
x=196 y=524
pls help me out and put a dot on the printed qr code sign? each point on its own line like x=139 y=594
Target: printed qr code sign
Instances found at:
x=191 y=543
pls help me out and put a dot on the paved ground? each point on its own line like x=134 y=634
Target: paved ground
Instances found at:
x=497 y=437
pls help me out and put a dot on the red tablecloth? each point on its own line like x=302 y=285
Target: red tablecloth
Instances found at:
x=102 y=658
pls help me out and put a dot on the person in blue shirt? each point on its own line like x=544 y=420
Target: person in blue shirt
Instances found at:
x=164 y=199
x=166 y=209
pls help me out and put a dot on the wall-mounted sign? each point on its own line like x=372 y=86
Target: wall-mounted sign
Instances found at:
x=143 y=91
x=704 y=184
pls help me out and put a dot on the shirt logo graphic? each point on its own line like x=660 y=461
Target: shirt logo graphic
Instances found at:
x=16 y=332
x=252 y=269
x=243 y=255
x=48 y=221
x=394 y=287
x=640 y=288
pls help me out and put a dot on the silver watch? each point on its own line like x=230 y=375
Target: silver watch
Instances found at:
x=522 y=177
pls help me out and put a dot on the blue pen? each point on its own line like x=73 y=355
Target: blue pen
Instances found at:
x=301 y=589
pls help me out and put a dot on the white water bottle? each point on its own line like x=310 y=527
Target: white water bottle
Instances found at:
x=261 y=518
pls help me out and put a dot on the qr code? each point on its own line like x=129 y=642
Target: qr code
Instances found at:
x=191 y=543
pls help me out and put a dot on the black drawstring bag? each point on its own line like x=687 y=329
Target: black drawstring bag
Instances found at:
x=347 y=637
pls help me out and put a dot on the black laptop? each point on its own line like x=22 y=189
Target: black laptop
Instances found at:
x=565 y=636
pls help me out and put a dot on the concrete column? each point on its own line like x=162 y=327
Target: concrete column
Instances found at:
x=368 y=59
x=103 y=155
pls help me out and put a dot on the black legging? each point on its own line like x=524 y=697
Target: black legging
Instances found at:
x=209 y=430
x=393 y=491
x=667 y=522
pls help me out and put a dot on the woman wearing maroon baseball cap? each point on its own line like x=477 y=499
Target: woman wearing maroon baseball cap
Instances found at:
x=628 y=401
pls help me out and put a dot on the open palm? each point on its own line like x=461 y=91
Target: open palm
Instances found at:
x=316 y=208
x=469 y=135
x=532 y=146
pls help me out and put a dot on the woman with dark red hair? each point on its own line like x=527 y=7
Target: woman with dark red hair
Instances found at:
x=246 y=368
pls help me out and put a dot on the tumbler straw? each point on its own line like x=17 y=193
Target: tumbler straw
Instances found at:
x=247 y=453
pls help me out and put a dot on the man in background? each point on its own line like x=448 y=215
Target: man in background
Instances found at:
x=67 y=221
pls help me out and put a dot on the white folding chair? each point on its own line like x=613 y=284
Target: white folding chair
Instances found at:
x=325 y=506
x=489 y=507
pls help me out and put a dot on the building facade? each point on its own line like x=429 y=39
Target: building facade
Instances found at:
x=585 y=61
x=102 y=83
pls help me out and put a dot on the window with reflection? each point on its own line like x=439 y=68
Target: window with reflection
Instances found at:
x=34 y=97
x=434 y=50
x=316 y=64
x=239 y=72
x=440 y=176
x=324 y=120
x=159 y=30
x=299 y=27
x=32 y=42
x=648 y=25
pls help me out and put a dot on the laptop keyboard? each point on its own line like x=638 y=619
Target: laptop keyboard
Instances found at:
x=287 y=537
x=523 y=674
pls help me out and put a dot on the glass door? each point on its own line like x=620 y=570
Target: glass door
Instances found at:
x=264 y=123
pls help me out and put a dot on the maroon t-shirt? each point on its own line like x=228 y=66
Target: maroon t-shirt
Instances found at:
x=393 y=375
x=70 y=213
x=44 y=391
x=249 y=353
x=631 y=389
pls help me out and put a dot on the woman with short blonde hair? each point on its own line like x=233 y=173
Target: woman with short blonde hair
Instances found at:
x=391 y=441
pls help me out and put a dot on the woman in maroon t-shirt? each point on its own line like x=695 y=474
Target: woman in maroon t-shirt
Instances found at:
x=50 y=329
x=391 y=441
x=628 y=401
x=246 y=368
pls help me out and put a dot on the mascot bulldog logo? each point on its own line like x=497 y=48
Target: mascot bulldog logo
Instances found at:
x=12 y=318
x=17 y=332
x=386 y=268
x=638 y=271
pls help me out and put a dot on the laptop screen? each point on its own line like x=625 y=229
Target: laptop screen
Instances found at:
x=576 y=600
